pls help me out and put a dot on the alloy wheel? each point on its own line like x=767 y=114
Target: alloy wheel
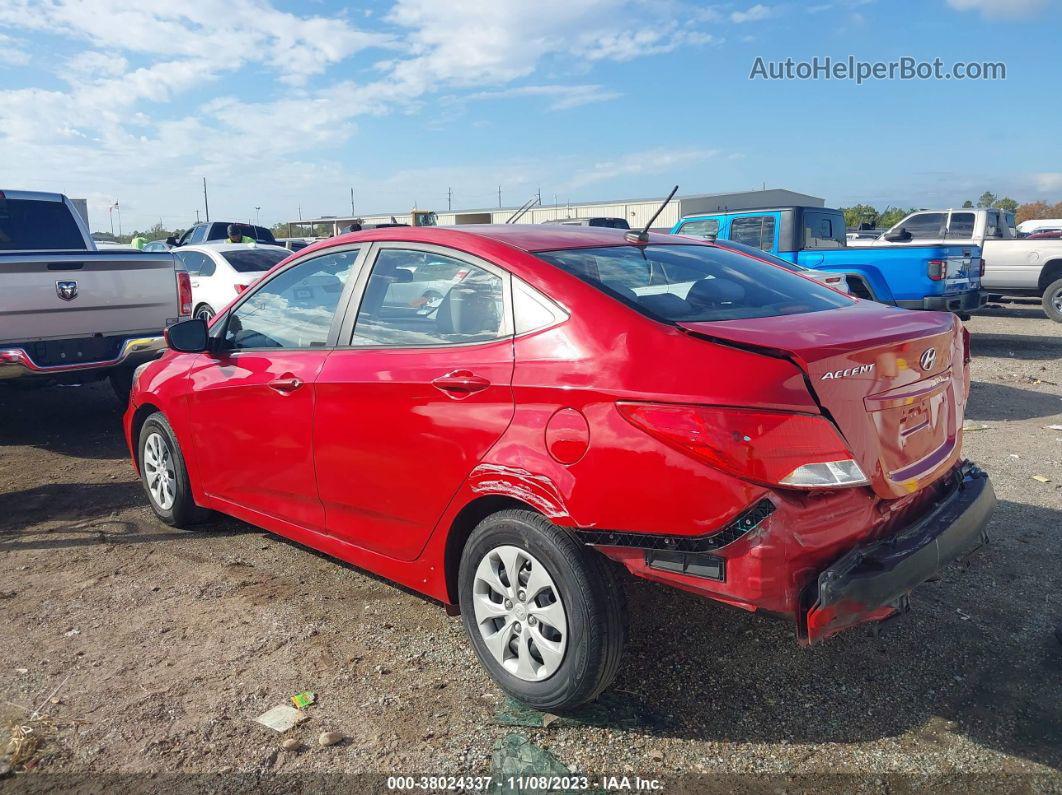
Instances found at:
x=519 y=613
x=159 y=472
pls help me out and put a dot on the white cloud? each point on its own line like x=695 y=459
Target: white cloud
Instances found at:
x=111 y=130
x=755 y=13
x=659 y=161
x=1048 y=181
x=563 y=97
x=994 y=9
x=11 y=52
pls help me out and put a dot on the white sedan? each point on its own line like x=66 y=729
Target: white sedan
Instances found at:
x=221 y=271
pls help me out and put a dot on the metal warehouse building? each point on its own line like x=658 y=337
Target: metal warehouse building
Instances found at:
x=637 y=212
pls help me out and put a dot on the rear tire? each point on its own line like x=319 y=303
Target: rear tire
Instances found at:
x=164 y=474
x=122 y=384
x=543 y=613
x=1052 y=301
x=205 y=311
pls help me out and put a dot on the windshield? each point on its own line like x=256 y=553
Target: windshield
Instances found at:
x=28 y=224
x=695 y=283
x=254 y=260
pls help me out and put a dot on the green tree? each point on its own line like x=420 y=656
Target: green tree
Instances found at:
x=855 y=217
x=987 y=199
x=892 y=216
x=1006 y=203
x=967 y=204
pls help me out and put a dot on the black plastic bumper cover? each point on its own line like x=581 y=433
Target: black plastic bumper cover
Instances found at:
x=963 y=302
x=870 y=579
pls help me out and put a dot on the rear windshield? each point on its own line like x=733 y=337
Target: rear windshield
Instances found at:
x=253 y=261
x=695 y=283
x=37 y=225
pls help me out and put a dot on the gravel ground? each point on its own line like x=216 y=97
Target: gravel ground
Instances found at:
x=164 y=645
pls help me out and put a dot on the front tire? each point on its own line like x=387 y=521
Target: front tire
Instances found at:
x=164 y=474
x=1053 y=301
x=543 y=613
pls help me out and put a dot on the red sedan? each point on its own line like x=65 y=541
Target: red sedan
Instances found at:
x=494 y=415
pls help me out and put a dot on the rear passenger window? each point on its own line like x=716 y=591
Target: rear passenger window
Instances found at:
x=757 y=232
x=419 y=298
x=962 y=226
x=706 y=228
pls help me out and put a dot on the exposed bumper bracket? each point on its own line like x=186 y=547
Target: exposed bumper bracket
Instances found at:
x=871 y=581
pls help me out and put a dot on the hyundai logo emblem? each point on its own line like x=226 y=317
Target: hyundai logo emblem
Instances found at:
x=66 y=290
x=929 y=358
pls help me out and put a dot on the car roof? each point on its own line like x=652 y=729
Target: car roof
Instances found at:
x=527 y=237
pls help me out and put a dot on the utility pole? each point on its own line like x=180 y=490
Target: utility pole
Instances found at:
x=499 y=197
x=119 y=209
x=256 y=216
x=206 y=202
x=197 y=215
x=110 y=213
x=449 y=199
x=540 y=197
x=352 y=202
x=300 y=213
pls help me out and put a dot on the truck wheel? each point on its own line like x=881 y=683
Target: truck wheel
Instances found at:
x=205 y=311
x=1053 y=301
x=122 y=384
x=542 y=612
x=164 y=475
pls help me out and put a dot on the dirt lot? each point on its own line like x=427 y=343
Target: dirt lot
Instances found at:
x=164 y=645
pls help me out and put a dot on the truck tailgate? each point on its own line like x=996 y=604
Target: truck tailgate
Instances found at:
x=51 y=295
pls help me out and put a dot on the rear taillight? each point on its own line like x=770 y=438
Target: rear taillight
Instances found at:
x=240 y=288
x=833 y=280
x=938 y=269
x=184 y=294
x=773 y=448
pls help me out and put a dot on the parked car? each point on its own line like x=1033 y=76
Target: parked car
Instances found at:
x=219 y=231
x=1045 y=234
x=1012 y=265
x=71 y=313
x=221 y=271
x=295 y=243
x=1026 y=228
x=611 y=223
x=157 y=245
x=939 y=276
x=837 y=281
x=760 y=439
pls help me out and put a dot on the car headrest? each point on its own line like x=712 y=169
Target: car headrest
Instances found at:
x=468 y=309
x=715 y=292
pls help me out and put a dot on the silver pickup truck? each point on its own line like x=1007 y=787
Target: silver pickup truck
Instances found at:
x=1012 y=265
x=70 y=313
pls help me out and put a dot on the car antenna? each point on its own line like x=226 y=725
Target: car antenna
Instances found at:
x=643 y=236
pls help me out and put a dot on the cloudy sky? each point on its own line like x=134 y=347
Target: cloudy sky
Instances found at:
x=284 y=106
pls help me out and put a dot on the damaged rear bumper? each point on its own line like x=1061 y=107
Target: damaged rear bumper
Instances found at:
x=872 y=581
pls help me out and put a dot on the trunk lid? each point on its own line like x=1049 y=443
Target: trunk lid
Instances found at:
x=111 y=293
x=963 y=269
x=892 y=380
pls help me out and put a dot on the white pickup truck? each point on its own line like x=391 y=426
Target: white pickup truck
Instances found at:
x=70 y=313
x=1012 y=265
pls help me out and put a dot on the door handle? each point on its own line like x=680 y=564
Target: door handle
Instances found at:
x=460 y=383
x=286 y=384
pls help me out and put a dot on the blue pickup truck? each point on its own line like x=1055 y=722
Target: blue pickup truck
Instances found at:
x=937 y=276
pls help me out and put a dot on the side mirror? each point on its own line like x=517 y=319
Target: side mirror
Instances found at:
x=188 y=336
x=171 y=241
x=900 y=235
